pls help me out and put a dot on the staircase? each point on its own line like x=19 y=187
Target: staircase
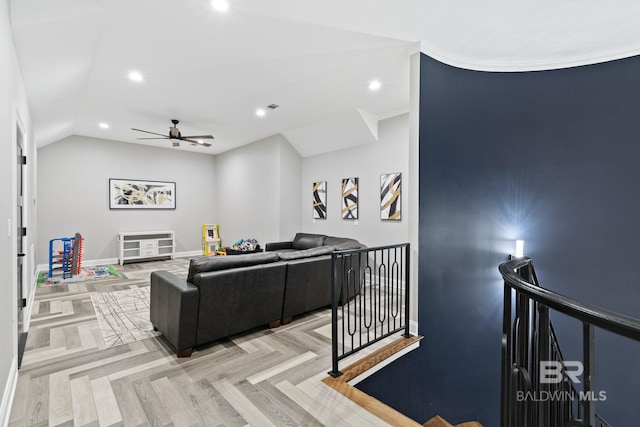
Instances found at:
x=384 y=412
x=439 y=422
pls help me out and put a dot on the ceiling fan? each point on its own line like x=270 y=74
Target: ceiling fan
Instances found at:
x=175 y=134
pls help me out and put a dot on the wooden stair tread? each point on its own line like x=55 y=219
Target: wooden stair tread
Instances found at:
x=371 y=404
x=439 y=422
x=368 y=362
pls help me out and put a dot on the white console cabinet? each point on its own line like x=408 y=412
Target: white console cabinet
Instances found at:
x=138 y=245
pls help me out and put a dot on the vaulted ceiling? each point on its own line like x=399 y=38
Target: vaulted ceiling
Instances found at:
x=212 y=70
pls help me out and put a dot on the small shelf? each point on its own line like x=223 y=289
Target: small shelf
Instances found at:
x=135 y=246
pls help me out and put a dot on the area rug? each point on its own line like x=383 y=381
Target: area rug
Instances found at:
x=87 y=273
x=123 y=316
x=100 y=272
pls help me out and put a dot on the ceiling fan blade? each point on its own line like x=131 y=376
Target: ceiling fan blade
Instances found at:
x=166 y=137
x=193 y=141
x=198 y=137
x=146 y=131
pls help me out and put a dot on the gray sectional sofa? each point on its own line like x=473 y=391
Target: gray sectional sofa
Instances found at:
x=308 y=258
x=223 y=296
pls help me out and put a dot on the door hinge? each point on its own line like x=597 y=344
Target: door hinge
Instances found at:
x=23 y=159
x=24 y=231
x=23 y=302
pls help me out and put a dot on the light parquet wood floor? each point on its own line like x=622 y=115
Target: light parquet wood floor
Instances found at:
x=265 y=377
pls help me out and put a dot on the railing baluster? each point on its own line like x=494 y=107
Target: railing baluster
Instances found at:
x=334 y=318
x=407 y=275
x=543 y=355
x=588 y=349
x=382 y=275
x=368 y=318
x=375 y=292
x=339 y=291
x=507 y=395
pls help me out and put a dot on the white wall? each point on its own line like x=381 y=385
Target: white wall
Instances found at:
x=290 y=191
x=73 y=177
x=366 y=162
x=264 y=188
x=258 y=191
x=261 y=190
x=13 y=108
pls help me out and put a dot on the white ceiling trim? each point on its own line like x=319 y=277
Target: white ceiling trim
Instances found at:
x=500 y=66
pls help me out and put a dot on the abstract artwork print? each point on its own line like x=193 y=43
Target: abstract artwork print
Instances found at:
x=320 y=200
x=135 y=194
x=350 y=198
x=390 y=200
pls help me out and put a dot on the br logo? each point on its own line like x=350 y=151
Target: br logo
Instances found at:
x=552 y=372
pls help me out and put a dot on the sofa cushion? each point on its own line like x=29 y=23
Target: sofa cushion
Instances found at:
x=306 y=253
x=216 y=263
x=284 y=251
x=307 y=241
x=342 y=243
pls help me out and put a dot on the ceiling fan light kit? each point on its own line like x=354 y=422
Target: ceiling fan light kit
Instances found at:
x=176 y=136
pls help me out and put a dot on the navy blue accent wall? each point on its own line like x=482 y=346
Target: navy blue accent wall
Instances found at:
x=550 y=157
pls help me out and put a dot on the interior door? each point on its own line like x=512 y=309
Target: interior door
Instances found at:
x=20 y=241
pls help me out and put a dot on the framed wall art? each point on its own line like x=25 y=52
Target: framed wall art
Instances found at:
x=137 y=194
x=390 y=196
x=350 y=198
x=320 y=200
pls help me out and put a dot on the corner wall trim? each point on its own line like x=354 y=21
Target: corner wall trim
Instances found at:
x=413 y=327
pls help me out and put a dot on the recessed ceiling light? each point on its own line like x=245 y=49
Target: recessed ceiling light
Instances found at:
x=260 y=112
x=220 y=5
x=374 y=85
x=104 y=125
x=136 y=76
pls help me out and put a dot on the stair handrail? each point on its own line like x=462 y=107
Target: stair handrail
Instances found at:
x=617 y=323
x=529 y=343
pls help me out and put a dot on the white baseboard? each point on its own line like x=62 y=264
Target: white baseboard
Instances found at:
x=96 y=262
x=114 y=261
x=9 y=393
x=187 y=254
x=85 y=262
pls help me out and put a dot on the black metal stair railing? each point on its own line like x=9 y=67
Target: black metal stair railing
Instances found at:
x=370 y=297
x=537 y=382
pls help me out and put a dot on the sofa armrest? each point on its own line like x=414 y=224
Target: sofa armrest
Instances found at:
x=174 y=309
x=278 y=245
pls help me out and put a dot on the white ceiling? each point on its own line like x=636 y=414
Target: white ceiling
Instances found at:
x=212 y=70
